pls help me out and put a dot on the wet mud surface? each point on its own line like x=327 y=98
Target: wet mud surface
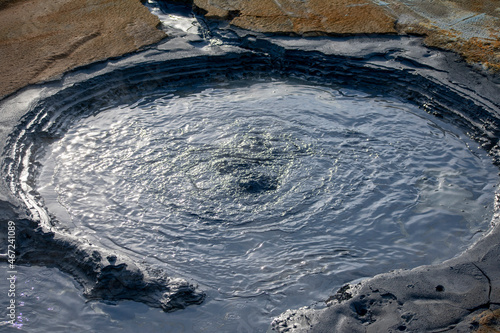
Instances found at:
x=446 y=297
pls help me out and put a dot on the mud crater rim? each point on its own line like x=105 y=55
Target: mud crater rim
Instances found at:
x=49 y=118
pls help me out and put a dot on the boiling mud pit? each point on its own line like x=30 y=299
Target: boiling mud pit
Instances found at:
x=268 y=194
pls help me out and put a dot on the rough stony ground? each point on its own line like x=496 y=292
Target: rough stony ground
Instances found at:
x=41 y=39
x=471 y=28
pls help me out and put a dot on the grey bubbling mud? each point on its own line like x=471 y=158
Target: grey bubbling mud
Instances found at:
x=254 y=189
x=125 y=82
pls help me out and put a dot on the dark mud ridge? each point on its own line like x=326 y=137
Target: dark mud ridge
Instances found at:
x=432 y=298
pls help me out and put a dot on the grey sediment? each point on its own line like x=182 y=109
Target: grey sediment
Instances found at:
x=443 y=297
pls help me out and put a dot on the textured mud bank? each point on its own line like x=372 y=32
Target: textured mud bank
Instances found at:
x=443 y=297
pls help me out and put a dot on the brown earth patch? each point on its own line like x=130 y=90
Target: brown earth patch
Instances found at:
x=487 y=322
x=480 y=6
x=299 y=17
x=476 y=51
x=320 y=17
x=41 y=39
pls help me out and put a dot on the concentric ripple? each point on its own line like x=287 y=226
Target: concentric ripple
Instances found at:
x=277 y=191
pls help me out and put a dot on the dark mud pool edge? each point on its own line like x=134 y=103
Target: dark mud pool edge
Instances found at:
x=431 y=298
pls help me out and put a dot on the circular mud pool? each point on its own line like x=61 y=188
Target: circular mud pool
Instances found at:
x=268 y=194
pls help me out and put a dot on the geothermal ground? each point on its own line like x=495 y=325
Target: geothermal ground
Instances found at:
x=68 y=48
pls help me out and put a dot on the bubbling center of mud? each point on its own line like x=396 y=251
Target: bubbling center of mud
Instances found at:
x=277 y=191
